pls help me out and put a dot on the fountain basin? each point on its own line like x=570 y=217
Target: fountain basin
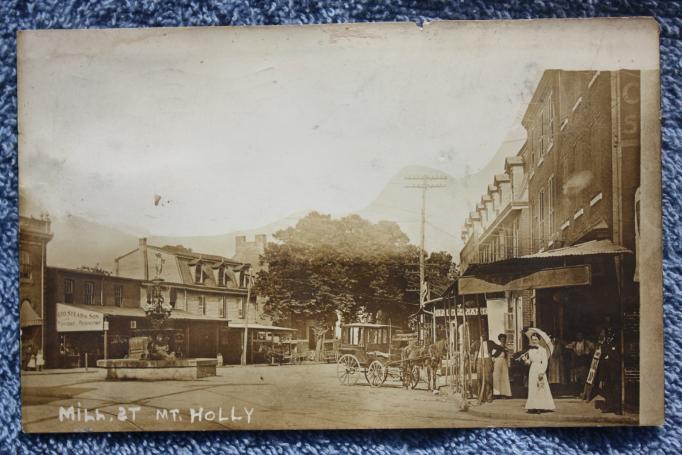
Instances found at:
x=159 y=370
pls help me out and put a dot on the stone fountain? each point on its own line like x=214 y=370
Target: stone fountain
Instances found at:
x=149 y=357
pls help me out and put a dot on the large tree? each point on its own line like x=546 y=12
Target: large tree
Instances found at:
x=323 y=264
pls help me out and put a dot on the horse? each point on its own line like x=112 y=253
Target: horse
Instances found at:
x=409 y=356
x=428 y=357
x=435 y=354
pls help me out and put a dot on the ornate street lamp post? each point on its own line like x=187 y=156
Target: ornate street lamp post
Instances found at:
x=156 y=309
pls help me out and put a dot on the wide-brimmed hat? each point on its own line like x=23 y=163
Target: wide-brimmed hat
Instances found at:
x=545 y=341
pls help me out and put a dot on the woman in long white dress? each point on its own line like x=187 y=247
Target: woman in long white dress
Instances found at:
x=539 y=395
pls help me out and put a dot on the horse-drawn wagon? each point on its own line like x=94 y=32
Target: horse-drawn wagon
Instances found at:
x=373 y=350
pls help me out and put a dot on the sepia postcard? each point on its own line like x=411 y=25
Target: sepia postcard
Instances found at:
x=344 y=226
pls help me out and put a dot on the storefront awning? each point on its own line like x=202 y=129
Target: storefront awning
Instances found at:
x=547 y=269
x=269 y=328
x=551 y=258
x=28 y=316
x=592 y=248
x=579 y=275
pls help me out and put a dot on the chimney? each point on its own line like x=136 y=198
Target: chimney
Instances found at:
x=261 y=242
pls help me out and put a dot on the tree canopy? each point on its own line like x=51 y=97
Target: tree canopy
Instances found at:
x=323 y=265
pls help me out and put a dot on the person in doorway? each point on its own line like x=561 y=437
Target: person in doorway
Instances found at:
x=539 y=394
x=26 y=356
x=581 y=358
x=40 y=360
x=32 y=363
x=555 y=372
x=501 y=385
x=484 y=371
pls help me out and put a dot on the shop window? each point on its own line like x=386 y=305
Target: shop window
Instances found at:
x=68 y=291
x=25 y=266
x=118 y=295
x=89 y=293
x=133 y=324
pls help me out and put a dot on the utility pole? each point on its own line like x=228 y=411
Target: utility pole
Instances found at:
x=246 y=317
x=425 y=183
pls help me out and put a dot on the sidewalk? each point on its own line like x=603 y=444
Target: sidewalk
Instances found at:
x=571 y=410
x=92 y=369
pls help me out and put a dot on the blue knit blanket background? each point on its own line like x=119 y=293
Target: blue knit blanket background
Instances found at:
x=40 y=14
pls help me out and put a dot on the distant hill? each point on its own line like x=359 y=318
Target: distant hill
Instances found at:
x=80 y=242
x=446 y=208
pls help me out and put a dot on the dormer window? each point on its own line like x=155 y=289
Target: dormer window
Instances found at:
x=198 y=270
x=221 y=276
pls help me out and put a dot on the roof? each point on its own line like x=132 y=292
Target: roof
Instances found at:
x=130 y=312
x=271 y=328
x=176 y=264
x=581 y=250
x=594 y=247
x=91 y=273
x=365 y=324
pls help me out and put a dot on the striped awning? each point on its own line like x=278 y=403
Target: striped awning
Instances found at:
x=28 y=316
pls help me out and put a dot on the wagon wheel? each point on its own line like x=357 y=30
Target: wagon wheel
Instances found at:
x=413 y=379
x=348 y=369
x=376 y=373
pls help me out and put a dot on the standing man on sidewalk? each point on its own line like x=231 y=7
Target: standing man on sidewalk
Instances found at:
x=484 y=371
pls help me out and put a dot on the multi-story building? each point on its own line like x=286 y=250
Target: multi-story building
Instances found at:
x=209 y=286
x=89 y=312
x=558 y=250
x=34 y=234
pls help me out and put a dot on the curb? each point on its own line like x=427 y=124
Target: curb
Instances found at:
x=553 y=417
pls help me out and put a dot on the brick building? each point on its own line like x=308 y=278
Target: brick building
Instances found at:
x=79 y=302
x=34 y=234
x=559 y=253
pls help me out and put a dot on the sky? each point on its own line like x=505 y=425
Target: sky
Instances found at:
x=237 y=127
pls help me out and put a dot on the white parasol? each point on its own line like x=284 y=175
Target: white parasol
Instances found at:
x=545 y=341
